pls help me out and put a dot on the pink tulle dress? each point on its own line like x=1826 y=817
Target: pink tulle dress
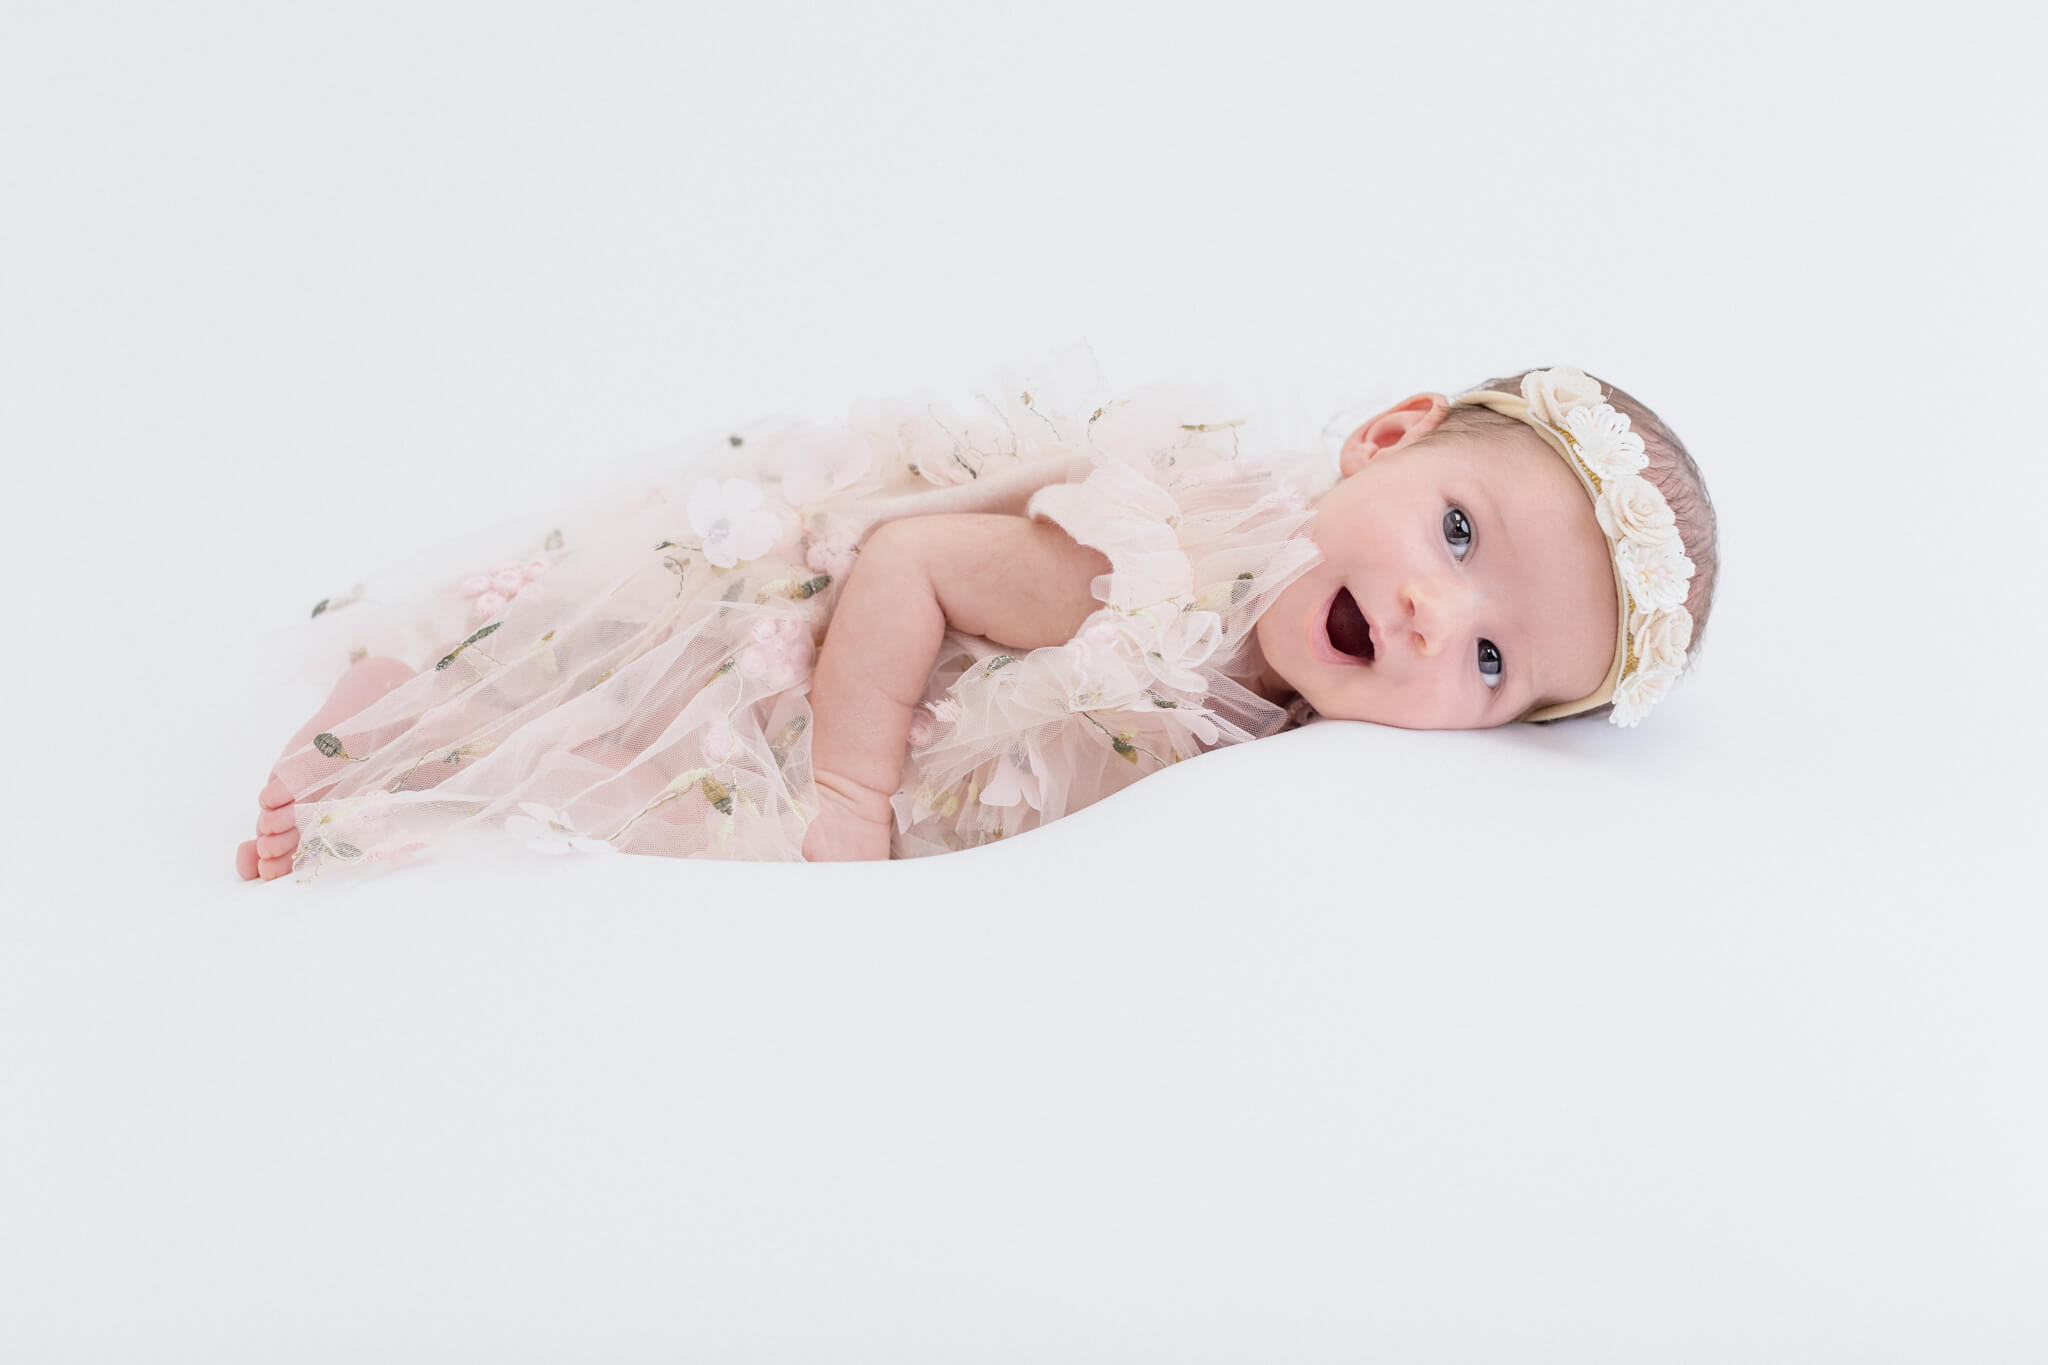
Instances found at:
x=629 y=671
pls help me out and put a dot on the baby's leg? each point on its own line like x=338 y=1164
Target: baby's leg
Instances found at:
x=269 y=855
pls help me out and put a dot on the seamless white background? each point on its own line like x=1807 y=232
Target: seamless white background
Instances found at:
x=1716 y=1040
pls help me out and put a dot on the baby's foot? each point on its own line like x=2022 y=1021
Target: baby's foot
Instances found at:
x=269 y=854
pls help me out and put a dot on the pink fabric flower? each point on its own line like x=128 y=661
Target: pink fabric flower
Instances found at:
x=507 y=581
x=831 y=555
x=489 y=605
x=536 y=567
x=475 y=585
x=718 y=739
x=920 y=728
x=779 y=652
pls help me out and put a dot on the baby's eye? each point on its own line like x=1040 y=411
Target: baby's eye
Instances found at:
x=1458 y=531
x=1489 y=663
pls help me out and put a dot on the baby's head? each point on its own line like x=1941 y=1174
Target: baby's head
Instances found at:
x=1480 y=554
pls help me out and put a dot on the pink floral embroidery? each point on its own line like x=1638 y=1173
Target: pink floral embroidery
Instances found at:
x=778 y=653
x=831 y=555
x=495 y=588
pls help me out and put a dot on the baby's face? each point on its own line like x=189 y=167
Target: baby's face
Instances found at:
x=1479 y=569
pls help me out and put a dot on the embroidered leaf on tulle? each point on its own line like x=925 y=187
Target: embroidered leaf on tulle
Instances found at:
x=717 y=793
x=1161 y=702
x=1239 y=587
x=553 y=542
x=782 y=743
x=329 y=745
x=737 y=439
x=794 y=587
x=718 y=673
x=327 y=604
x=688 y=780
x=1125 y=749
x=999 y=661
x=321 y=846
x=449 y=657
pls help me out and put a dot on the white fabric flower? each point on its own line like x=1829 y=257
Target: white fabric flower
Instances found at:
x=1655 y=574
x=1605 y=442
x=549 y=831
x=1662 y=637
x=1019 y=776
x=1182 y=646
x=1638 y=692
x=729 y=516
x=1631 y=508
x=1103 y=666
x=1553 y=393
x=1187 y=721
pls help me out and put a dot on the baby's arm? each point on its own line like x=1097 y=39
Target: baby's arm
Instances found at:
x=1018 y=583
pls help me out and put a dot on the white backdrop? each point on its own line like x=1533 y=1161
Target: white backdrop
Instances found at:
x=1717 y=1040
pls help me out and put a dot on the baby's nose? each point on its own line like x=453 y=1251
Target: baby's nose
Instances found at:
x=1436 y=614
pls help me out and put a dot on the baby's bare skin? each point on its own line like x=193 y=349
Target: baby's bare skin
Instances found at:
x=269 y=854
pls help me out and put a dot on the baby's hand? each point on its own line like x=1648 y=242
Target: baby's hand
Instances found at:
x=850 y=826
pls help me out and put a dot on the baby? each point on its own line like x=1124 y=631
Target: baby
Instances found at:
x=1091 y=591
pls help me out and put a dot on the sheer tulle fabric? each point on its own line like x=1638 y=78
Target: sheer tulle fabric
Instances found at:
x=630 y=672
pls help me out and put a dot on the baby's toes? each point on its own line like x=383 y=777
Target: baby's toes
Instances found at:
x=276 y=845
x=245 y=860
x=275 y=793
x=277 y=821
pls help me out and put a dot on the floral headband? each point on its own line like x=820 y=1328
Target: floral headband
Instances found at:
x=1651 y=571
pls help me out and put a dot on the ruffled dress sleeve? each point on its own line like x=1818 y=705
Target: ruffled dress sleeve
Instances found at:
x=1201 y=533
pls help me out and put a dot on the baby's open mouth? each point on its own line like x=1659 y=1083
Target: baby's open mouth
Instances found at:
x=1349 y=631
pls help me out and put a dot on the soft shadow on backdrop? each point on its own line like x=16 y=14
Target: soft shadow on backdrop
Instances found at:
x=1719 y=1039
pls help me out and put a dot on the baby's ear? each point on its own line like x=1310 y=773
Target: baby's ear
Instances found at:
x=1401 y=425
